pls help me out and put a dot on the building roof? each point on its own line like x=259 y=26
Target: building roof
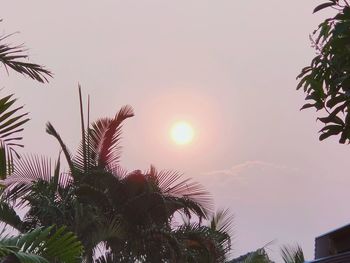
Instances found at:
x=339 y=229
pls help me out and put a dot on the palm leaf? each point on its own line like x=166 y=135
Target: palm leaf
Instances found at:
x=106 y=134
x=172 y=186
x=43 y=245
x=85 y=159
x=11 y=255
x=222 y=221
x=111 y=229
x=117 y=171
x=30 y=169
x=258 y=256
x=203 y=244
x=11 y=124
x=292 y=254
x=15 y=57
x=52 y=131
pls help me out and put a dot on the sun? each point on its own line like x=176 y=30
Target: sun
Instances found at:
x=182 y=133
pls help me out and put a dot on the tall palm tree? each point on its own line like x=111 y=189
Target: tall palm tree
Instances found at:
x=128 y=213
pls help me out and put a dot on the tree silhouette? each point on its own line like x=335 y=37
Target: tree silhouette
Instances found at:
x=326 y=82
x=129 y=214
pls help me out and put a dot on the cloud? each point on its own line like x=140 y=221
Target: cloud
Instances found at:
x=256 y=164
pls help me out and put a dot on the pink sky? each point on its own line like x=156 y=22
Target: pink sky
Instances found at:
x=226 y=66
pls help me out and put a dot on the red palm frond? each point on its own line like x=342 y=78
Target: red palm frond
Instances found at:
x=105 y=135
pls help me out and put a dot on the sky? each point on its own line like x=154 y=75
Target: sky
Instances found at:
x=227 y=67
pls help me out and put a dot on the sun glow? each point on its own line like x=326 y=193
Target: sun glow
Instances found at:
x=182 y=133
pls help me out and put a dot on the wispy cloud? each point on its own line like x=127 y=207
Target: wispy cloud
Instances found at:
x=257 y=164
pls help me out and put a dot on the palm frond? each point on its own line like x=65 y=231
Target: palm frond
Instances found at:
x=186 y=207
x=258 y=256
x=202 y=244
x=52 y=131
x=171 y=184
x=30 y=169
x=117 y=171
x=222 y=221
x=105 y=136
x=292 y=254
x=84 y=150
x=44 y=245
x=10 y=254
x=111 y=229
x=11 y=124
x=85 y=158
x=15 y=57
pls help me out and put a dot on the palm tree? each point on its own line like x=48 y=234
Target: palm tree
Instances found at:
x=129 y=213
x=209 y=242
x=96 y=193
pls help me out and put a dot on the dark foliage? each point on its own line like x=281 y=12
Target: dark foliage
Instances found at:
x=326 y=81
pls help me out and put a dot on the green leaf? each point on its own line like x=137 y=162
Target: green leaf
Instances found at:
x=43 y=245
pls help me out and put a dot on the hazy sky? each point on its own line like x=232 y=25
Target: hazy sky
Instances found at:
x=226 y=66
